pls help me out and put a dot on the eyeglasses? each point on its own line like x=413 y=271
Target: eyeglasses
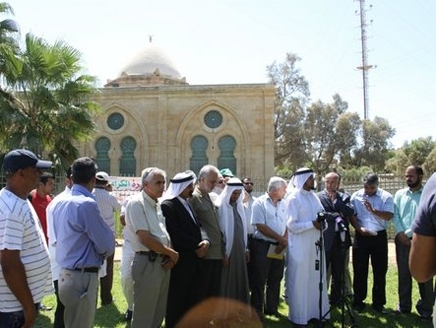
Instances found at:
x=249 y=183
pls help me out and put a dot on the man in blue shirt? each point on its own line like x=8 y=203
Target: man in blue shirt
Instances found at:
x=406 y=203
x=84 y=240
x=373 y=208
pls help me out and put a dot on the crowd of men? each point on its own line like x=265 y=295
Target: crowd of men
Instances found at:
x=207 y=238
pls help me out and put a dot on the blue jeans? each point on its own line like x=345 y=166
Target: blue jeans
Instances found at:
x=13 y=319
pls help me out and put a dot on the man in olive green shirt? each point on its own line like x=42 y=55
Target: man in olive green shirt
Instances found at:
x=206 y=213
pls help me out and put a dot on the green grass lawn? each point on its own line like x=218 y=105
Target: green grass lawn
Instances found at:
x=112 y=315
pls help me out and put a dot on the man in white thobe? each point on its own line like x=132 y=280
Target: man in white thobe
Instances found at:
x=304 y=269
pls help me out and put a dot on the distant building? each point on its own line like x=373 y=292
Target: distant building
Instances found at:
x=152 y=117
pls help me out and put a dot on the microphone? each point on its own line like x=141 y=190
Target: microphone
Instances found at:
x=341 y=224
x=342 y=228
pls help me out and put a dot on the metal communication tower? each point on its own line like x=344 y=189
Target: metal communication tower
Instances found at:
x=364 y=67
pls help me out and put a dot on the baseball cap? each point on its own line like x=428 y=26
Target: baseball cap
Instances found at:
x=102 y=176
x=22 y=158
x=226 y=173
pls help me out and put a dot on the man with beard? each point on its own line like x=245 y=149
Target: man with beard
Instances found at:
x=234 y=279
x=303 y=255
x=248 y=201
x=189 y=240
x=406 y=203
x=207 y=215
x=373 y=209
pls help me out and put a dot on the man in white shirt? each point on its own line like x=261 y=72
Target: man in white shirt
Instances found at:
x=52 y=240
x=25 y=276
x=108 y=205
x=269 y=218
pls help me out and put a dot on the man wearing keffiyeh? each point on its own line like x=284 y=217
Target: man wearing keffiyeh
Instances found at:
x=231 y=215
x=303 y=207
x=189 y=239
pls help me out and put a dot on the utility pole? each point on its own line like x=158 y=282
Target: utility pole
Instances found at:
x=364 y=67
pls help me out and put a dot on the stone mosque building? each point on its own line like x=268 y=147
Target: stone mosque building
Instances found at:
x=151 y=116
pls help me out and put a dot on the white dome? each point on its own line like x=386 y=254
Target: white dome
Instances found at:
x=151 y=60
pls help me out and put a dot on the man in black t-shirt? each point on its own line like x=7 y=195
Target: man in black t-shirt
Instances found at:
x=422 y=260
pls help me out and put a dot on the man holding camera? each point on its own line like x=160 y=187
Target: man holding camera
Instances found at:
x=336 y=237
x=304 y=213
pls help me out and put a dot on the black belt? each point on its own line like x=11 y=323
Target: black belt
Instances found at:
x=152 y=255
x=92 y=269
x=266 y=241
x=147 y=253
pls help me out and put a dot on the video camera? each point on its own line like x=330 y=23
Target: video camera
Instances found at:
x=321 y=217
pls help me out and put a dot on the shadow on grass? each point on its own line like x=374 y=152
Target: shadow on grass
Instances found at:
x=108 y=316
x=43 y=320
x=369 y=318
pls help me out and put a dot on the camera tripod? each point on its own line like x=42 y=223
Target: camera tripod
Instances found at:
x=319 y=265
x=342 y=303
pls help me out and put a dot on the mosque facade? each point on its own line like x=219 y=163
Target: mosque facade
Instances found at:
x=152 y=117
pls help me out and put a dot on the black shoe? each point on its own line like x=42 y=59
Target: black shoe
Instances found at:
x=359 y=307
x=380 y=309
x=107 y=302
x=425 y=317
x=274 y=314
x=335 y=302
x=128 y=315
x=400 y=312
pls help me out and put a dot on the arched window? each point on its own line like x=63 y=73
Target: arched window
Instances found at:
x=128 y=160
x=102 y=146
x=199 y=159
x=227 y=145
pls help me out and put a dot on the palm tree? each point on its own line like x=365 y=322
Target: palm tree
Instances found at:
x=52 y=108
x=9 y=33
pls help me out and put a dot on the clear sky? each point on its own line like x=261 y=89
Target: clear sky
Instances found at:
x=232 y=41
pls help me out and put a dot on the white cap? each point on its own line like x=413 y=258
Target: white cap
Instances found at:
x=102 y=176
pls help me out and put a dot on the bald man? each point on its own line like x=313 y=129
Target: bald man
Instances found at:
x=338 y=211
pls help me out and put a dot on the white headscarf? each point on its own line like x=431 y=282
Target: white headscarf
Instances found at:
x=300 y=177
x=178 y=184
x=225 y=212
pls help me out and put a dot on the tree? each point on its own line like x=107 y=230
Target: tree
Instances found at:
x=52 y=107
x=397 y=163
x=292 y=96
x=329 y=132
x=430 y=162
x=375 y=144
x=9 y=33
x=320 y=134
x=417 y=152
x=348 y=129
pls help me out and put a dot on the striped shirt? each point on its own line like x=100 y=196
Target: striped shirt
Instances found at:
x=20 y=230
x=108 y=205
